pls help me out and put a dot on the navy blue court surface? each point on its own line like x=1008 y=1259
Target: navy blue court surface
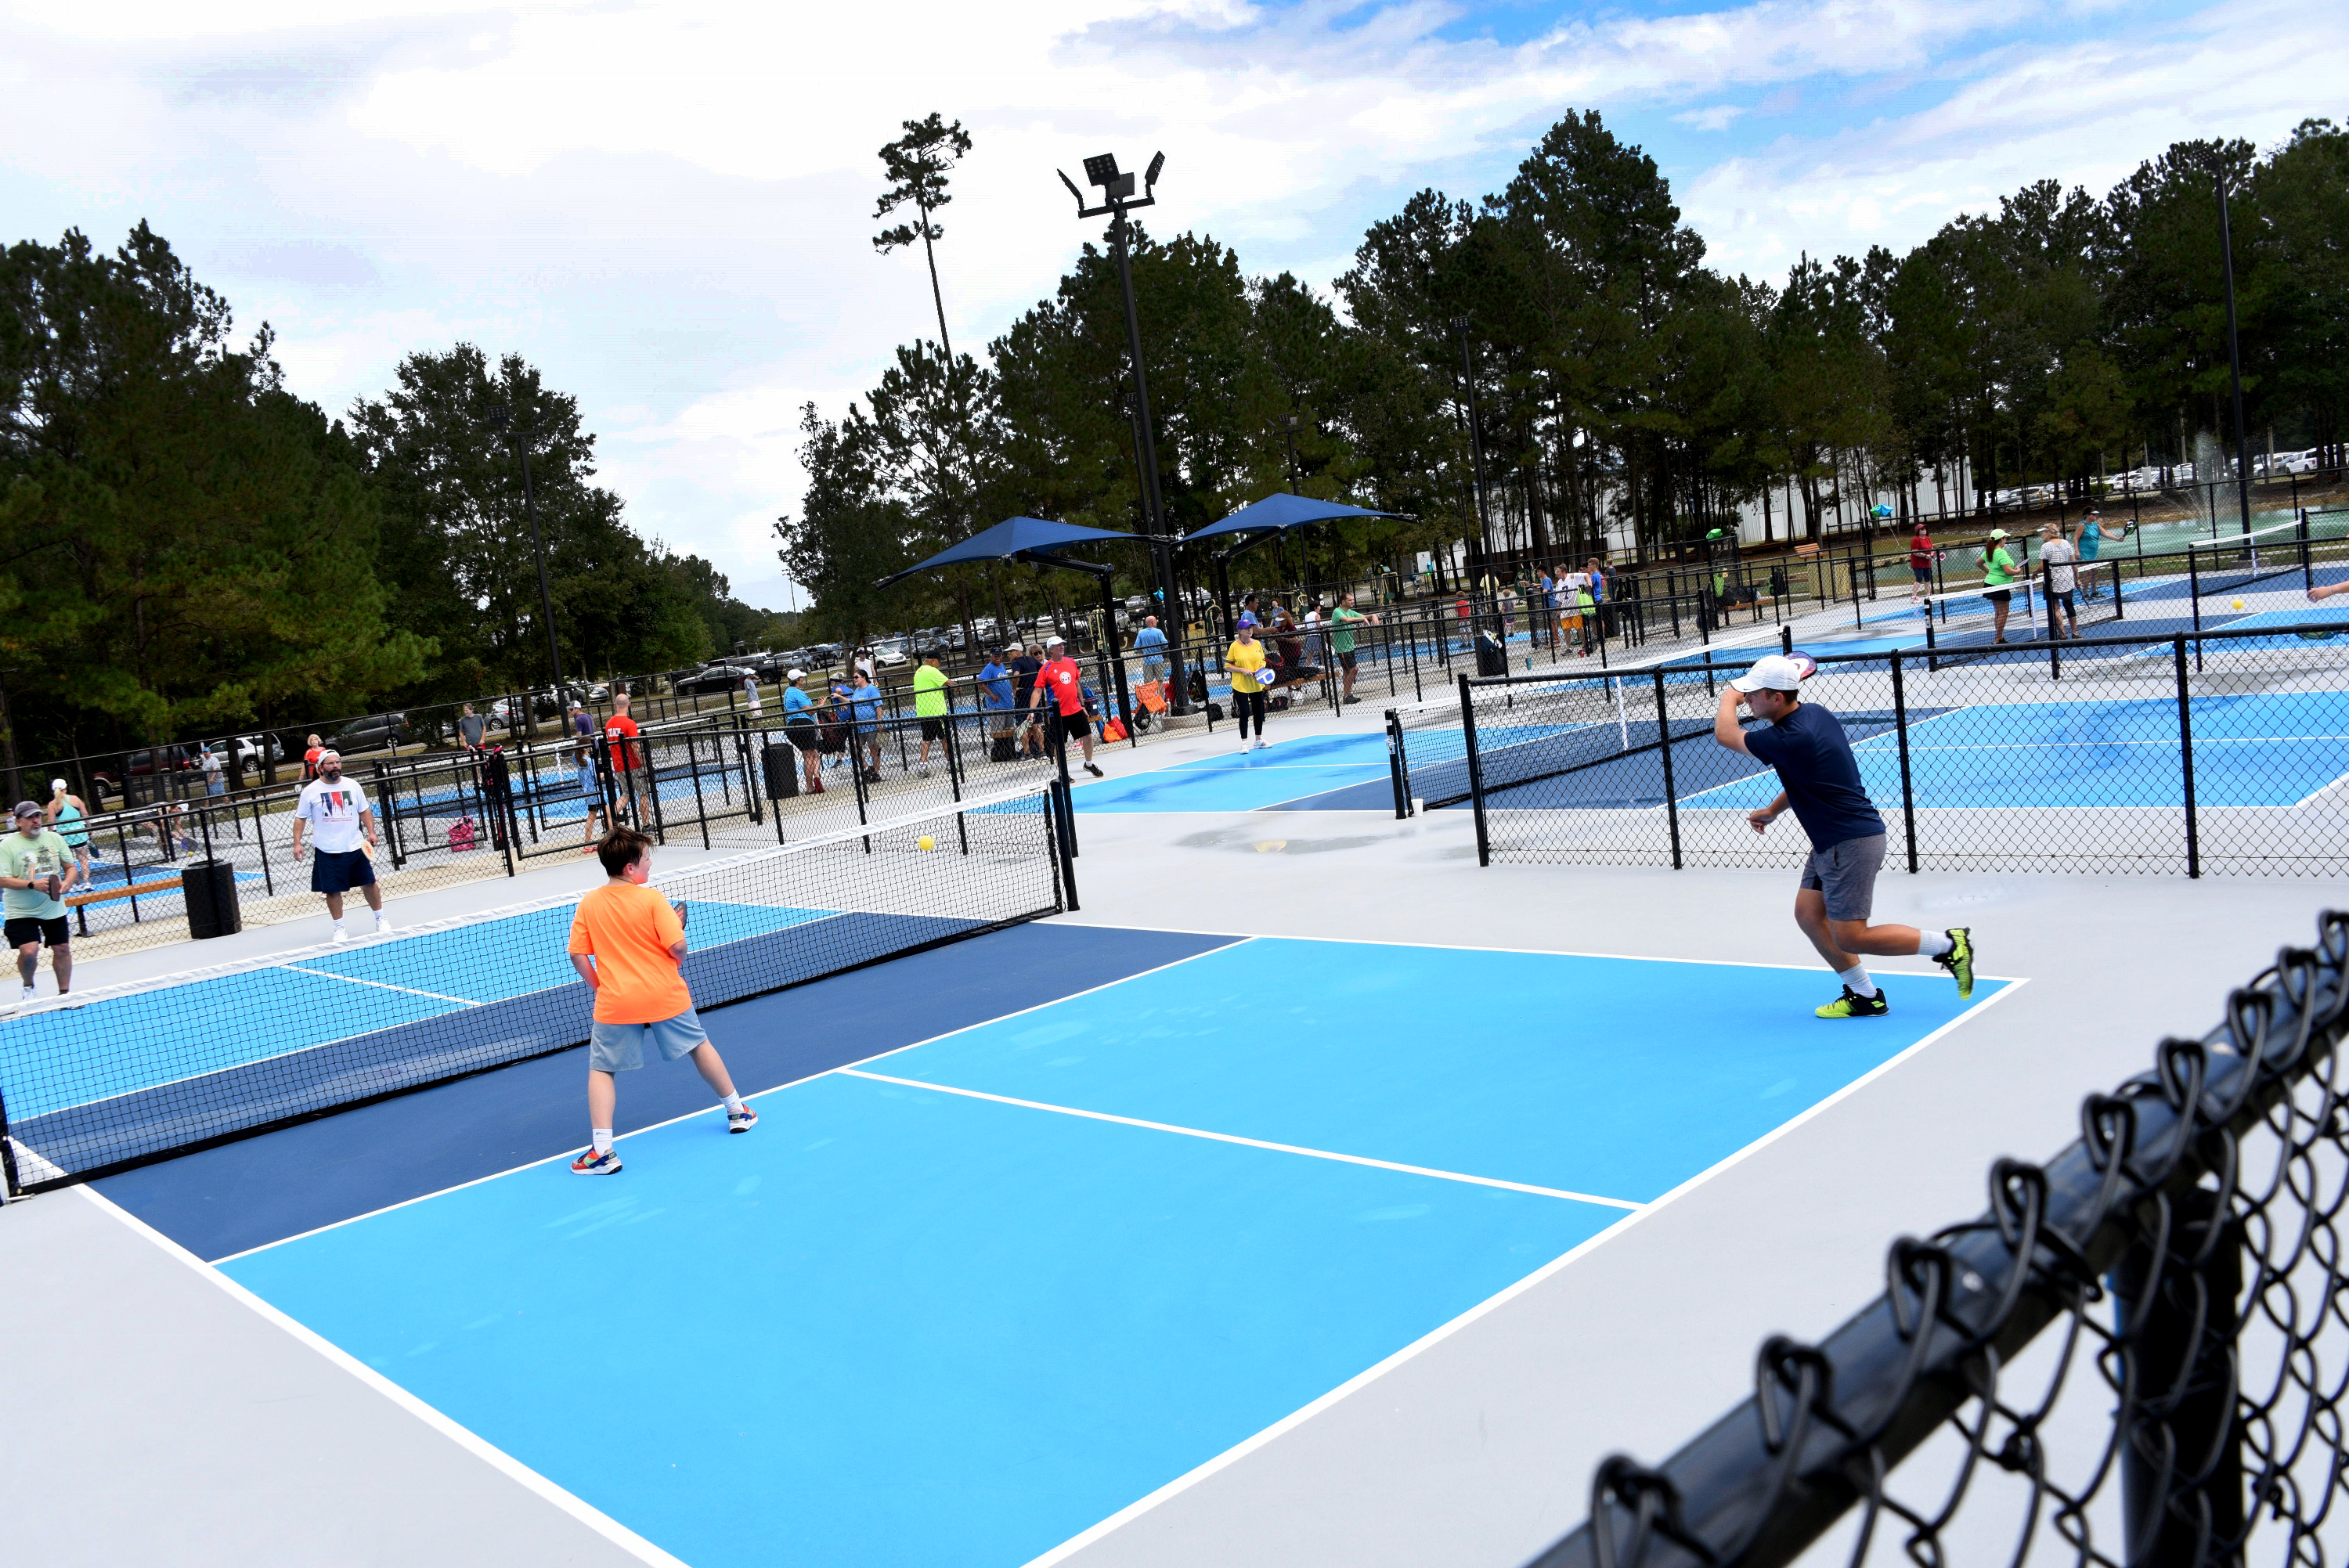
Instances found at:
x=961 y=1301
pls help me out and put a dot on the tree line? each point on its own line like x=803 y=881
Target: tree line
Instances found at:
x=1627 y=394
x=188 y=549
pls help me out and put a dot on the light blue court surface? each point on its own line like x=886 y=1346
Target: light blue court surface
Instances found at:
x=124 y=1044
x=2255 y=749
x=1286 y=773
x=896 y=1325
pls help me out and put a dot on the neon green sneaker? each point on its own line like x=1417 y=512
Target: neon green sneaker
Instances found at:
x=1852 y=1004
x=1960 y=959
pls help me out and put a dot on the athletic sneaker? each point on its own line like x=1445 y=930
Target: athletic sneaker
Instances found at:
x=591 y=1163
x=742 y=1120
x=1852 y=1004
x=383 y=925
x=1960 y=959
x=27 y=996
x=1095 y=772
x=341 y=935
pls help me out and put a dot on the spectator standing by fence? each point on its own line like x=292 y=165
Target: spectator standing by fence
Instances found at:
x=591 y=794
x=751 y=694
x=1820 y=782
x=215 y=783
x=930 y=708
x=1025 y=667
x=342 y=829
x=497 y=794
x=799 y=727
x=70 y=818
x=312 y=748
x=625 y=755
x=2088 y=536
x=865 y=709
x=471 y=729
x=38 y=871
x=1151 y=644
x=1344 y=619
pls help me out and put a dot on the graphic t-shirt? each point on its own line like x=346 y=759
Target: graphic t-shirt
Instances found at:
x=1060 y=677
x=622 y=731
x=929 y=692
x=1813 y=757
x=1243 y=660
x=333 y=811
x=1342 y=639
x=2057 y=557
x=628 y=930
x=43 y=854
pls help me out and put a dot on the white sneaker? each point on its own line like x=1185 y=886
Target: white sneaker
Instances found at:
x=1259 y=743
x=341 y=935
x=26 y=994
x=383 y=925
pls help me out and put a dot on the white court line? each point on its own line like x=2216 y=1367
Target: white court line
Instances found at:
x=587 y=1514
x=1435 y=1336
x=1232 y=939
x=384 y=985
x=1245 y=1143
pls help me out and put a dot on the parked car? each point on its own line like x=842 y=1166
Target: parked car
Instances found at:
x=715 y=679
x=376 y=732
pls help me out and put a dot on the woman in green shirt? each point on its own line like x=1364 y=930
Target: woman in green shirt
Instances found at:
x=930 y=708
x=1998 y=577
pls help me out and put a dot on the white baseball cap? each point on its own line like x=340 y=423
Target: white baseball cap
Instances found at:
x=56 y=783
x=1054 y=643
x=795 y=674
x=1773 y=672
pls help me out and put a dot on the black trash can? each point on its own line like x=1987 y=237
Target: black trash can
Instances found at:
x=210 y=889
x=1491 y=659
x=781 y=759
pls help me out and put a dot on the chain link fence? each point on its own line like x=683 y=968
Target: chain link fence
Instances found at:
x=2136 y=1355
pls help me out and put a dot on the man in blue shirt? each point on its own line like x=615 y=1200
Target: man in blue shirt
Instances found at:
x=865 y=708
x=995 y=682
x=1151 y=644
x=1806 y=745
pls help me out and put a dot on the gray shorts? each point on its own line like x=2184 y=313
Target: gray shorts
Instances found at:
x=1845 y=872
x=620 y=1047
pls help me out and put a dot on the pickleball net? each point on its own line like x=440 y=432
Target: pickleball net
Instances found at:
x=120 y=1076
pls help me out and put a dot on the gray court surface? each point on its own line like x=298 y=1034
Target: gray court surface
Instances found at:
x=158 y=1417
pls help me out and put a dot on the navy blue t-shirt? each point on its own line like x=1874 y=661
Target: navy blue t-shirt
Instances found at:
x=1814 y=763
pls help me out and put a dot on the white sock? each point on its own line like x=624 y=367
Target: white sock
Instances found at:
x=1856 y=978
x=733 y=1103
x=603 y=1140
x=1933 y=944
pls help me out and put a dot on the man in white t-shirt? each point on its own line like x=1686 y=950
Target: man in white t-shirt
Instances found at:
x=342 y=829
x=2058 y=564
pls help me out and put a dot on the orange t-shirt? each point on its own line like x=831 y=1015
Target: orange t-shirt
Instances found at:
x=629 y=931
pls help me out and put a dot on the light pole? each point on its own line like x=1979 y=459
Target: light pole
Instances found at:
x=1296 y=487
x=1475 y=435
x=501 y=419
x=1117 y=192
x=2234 y=350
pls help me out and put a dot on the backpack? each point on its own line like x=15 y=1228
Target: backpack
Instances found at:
x=462 y=836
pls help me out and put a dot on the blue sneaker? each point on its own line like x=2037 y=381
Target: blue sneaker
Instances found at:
x=742 y=1120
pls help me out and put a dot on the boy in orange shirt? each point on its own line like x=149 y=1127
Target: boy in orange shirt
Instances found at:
x=627 y=942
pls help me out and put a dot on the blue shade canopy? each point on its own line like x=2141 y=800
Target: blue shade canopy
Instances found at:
x=1017 y=539
x=1279 y=512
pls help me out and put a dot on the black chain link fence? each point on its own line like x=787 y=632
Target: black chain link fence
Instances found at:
x=2222 y=753
x=2185 y=1409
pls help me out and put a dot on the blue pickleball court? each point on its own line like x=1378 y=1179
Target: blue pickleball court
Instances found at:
x=961 y=1302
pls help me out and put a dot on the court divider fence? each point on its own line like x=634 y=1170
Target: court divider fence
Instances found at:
x=2225 y=752
x=105 y=1080
x=2135 y=1355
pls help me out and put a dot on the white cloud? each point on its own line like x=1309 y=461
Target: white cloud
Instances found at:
x=667 y=206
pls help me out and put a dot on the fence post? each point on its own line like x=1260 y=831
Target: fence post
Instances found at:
x=1060 y=816
x=2186 y=756
x=2307 y=558
x=693 y=764
x=1475 y=774
x=1907 y=790
x=1398 y=769
x=1664 y=745
x=2178 y=1329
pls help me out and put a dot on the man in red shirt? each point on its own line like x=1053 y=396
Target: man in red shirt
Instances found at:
x=1061 y=678
x=620 y=732
x=1921 y=562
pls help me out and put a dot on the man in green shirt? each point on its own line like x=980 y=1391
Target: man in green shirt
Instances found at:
x=1998 y=577
x=930 y=708
x=37 y=869
x=1341 y=641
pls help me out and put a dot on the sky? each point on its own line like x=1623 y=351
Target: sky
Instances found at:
x=669 y=207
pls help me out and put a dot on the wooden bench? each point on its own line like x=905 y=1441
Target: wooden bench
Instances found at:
x=82 y=900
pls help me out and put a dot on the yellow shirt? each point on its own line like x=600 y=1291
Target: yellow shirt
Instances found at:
x=1243 y=660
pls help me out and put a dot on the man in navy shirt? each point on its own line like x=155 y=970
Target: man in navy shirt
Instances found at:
x=1806 y=745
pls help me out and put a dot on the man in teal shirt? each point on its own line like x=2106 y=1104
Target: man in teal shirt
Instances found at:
x=930 y=708
x=1341 y=641
x=37 y=870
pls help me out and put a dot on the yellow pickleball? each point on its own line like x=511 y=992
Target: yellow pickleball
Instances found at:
x=2239 y=603
x=924 y=842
